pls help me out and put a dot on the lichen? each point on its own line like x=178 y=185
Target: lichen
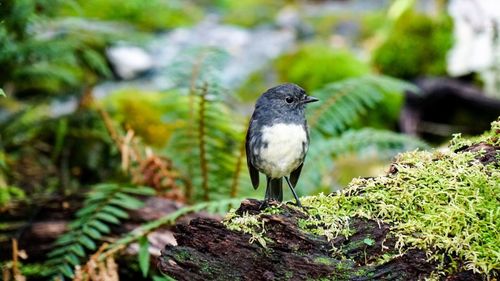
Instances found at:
x=249 y=224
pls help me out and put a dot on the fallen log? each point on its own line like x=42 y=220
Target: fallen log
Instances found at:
x=408 y=225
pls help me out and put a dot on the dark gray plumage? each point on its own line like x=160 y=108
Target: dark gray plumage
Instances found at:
x=277 y=139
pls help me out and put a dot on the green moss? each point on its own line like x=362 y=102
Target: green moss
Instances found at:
x=182 y=255
x=417 y=46
x=249 y=224
x=288 y=275
x=324 y=260
x=491 y=137
x=437 y=200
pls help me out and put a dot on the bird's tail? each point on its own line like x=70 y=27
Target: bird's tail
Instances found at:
x=274 y=190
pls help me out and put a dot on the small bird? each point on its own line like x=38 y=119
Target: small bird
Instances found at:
x=277 y=139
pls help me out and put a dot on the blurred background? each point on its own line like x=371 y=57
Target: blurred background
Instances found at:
x=119 y=115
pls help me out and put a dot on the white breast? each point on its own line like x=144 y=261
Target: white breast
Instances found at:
x=286 y=146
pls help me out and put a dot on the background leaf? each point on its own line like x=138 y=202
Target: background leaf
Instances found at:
x=144 y=255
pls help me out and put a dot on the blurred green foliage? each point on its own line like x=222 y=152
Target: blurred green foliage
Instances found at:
x=42 y=55
x=144 y=113
x=45 y=154
x=249 y=13
x=10 y=193
x=146 y=15
x=314 y=65
x=363 y=24
x=417 y=46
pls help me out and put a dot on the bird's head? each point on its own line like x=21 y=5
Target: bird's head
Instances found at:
x=285 y=98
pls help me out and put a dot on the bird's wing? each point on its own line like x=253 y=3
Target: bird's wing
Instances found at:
x=294 y=176
x=254 y=174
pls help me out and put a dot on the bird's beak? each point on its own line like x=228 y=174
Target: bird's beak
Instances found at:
x=310 y=99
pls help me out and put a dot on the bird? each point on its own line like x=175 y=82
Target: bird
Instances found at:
x=277 y=139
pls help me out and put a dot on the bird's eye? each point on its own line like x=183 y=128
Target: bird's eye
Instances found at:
x=289 y=99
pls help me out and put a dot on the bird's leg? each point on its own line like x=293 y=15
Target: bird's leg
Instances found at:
x=293 y=192
x=265 y=203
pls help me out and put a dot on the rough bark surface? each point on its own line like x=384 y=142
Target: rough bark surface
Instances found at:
x=207 y=250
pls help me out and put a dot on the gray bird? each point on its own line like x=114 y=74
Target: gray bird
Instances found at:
x=277 y=139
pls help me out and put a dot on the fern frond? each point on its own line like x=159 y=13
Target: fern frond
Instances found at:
x=343 y=102
x=208 y=145
x=213 y=207
x=196 y=68
x=208 y=156
x=48 y=53
x=371 y=142
x=106 y=204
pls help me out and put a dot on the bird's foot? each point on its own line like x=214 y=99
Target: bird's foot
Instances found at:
x=264 y=205
x=299 y=205
x=267 y=203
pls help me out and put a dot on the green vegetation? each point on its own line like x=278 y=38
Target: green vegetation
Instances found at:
x=42 y=54
x=106 y=204
x=249 y=13
x=146 y=15
x=315 y=65
x=417 y=46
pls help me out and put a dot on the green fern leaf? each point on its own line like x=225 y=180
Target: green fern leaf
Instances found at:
x=119 y=213
x=66 y=270
x=107 y=218
x=72 y=259
x=343 y=102
x=91 y=224
x=144 y=255
x=91 y=232
x=87 y=242
x=78 y=250
x=101 y=227
x=127 y=201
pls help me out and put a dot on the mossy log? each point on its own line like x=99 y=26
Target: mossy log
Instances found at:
x=283 y=242
x=207 y=250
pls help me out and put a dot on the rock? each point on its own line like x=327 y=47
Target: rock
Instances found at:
x=129 y=61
